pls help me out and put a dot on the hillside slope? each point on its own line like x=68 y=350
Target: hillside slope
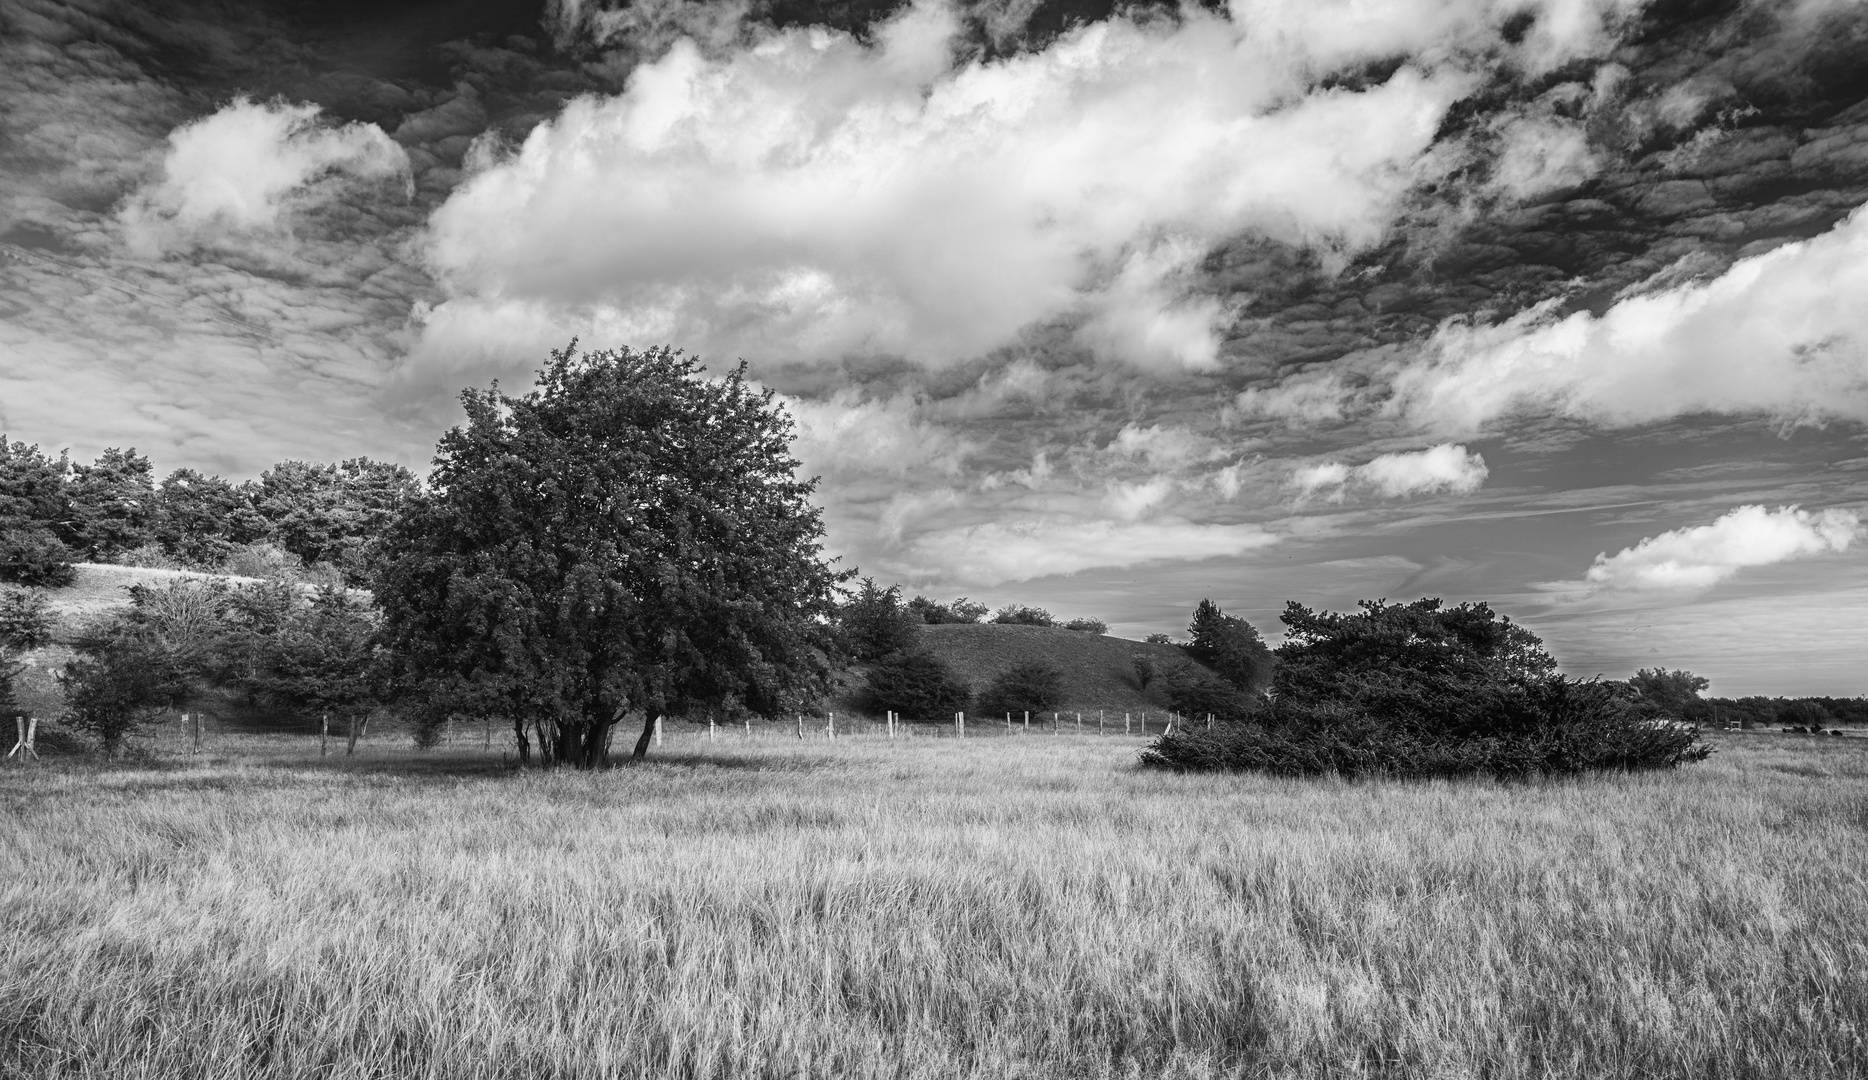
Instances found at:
x=1099 y=671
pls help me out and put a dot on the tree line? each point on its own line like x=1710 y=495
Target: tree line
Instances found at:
x=297 y=515
x=632 y=538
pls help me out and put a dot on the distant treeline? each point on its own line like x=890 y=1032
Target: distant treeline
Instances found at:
x=54 y=511
x=1770 y=711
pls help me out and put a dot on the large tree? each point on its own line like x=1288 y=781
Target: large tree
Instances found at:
x=629 y=536
x=1231 y=647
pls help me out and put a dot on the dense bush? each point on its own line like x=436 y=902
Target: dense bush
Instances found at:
x=1024 y=688
x=1195 y=692
x=1420 y=690
x=917 y=685
x=31 y=555
x=1087 y=625
x=25 y=619
x=1020 y=615
x=1231 y=647
x=933 y=613
x=874 y=622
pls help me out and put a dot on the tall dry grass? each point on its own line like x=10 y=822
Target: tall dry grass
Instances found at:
x=929 y=908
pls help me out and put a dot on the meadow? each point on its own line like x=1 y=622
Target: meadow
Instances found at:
x=929 y=907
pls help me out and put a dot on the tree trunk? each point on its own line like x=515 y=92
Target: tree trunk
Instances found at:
x=525 y=744
x=648 y=733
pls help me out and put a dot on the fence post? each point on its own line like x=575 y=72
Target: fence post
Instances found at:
x=749 y=725
x=658 y=729
x=800 y=725
x=1027 y=721
x=1099 y=721
x=197 y=717
x=832 y=729
x=712 y=735
x=324 y=733
x=1209 y=721
x=28 y=729
x=1008 y=723
x=1079 y=723
x=486 y=741
x=959 y=725
x=1057 y=728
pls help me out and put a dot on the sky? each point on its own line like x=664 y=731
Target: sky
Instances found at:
x=1556 y=304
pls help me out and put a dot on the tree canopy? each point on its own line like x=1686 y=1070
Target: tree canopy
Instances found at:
x=629 y=535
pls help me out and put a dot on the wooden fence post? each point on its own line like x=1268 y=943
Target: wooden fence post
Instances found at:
x=711 y=735
x=324 y=734
x=351 y=750
x=959 y=724
x=1008 y=723
x=1209 y=721
x=28 y=728
x=197 y=717
x=1027 y=721
x=658 y=729
x=800 y=725
x=1057 y=728
x=1079 y=723
x=832 y=729
x=1099 y=721
x=486 y=743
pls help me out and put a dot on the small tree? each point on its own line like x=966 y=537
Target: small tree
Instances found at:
x=1194 y=691
x=1030 y=687
x=875 y=623
x=917 y=685
x=1087 y=626
x=137 y=664
x=25 y=621
x=1231 y=647
x=31 y=555
x=933 y=613
x=1675 y=693
x=629 y=536
x=1144 y=671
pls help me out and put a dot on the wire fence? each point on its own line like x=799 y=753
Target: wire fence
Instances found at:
x=1106 y=723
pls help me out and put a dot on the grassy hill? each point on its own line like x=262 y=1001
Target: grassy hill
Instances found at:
x=1099 y=671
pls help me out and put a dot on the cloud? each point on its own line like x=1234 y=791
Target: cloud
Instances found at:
x=241 y=169
x=813 y=196
x=845 y=436
x=1539 y=156
x=1783 y=334
x=1446 y=467
x=997 y=552
x=1704 y=555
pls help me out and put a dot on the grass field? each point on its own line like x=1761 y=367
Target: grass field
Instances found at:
x=1011 y=907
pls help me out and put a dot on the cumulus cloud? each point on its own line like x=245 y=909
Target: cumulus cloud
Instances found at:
x=240 y=169
x=1446 y=467
x=1704 y=555
x=998 y=552
x=1783 y=334
x=846 y=434
x=1539 y=156
x=814 y=196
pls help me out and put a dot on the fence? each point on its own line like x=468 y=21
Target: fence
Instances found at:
x=830 y=726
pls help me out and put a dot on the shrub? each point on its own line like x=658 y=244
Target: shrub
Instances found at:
x=264 y=561
x=1195 y=693
x=1025 y=688
x=1087 y=625
x=935 y=614
x=31 y=555
x=1231 y=647
x=1020 y=615
x=151 y=556
x=875 y=623
x=152 y=658
x=1158 y=639
x=917 y=685
x=1144 y=671
x=25 y=622
x=1418 y=690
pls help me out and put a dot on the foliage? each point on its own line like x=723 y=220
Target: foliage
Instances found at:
x=915 y=684
x=25 y=618
x=627 y=536
x=1675 y=693
x=203 y=519
x=1231 y=647
x=1424 y=690
x=875 y=623
x=1031 y=687
x=32 y=555
x=962 y=610
x=1087 y=625
x=310 y=657
x=136 y=664
x=1197 y=692
x=324 y=513
x=111 y=506
x=1158 y=639
x=1020 y=615
x=268 y=562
